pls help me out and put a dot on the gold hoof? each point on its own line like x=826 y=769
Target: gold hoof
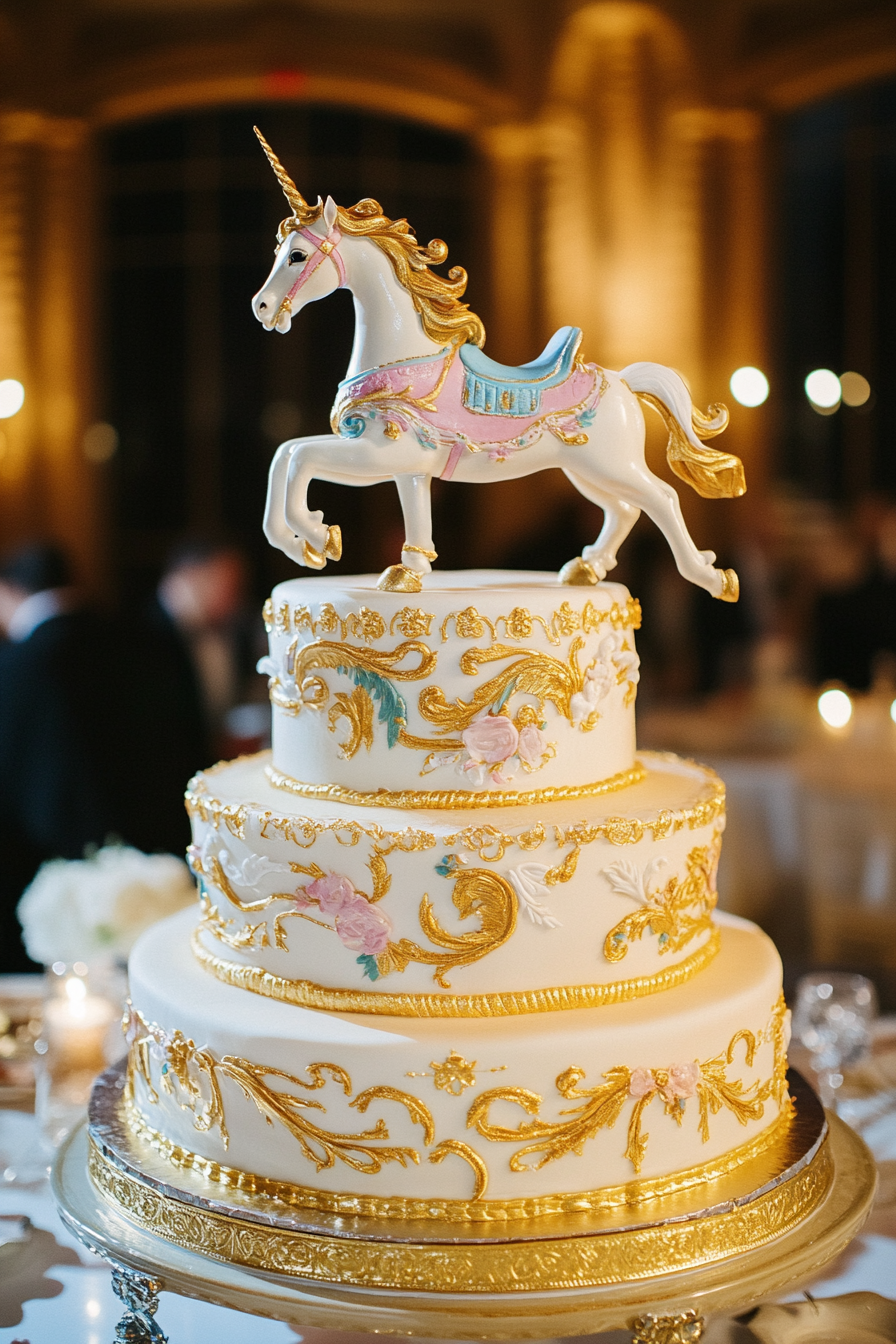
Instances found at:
x=333 y=547
x=400 y=579
x=730 y=586
x=313 y=559
x=579 y=573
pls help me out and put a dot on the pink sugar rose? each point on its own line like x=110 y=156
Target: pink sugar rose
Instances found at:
x=491 y=739
x=532 y=744
x=362 y=927
x=641 y=1083
x=683 y=1080
x=332 y=893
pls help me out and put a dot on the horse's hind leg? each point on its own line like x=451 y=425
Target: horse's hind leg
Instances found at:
x=619 y=519
x=642 y=490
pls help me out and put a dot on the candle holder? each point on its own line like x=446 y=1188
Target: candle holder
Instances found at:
x=79 y=1038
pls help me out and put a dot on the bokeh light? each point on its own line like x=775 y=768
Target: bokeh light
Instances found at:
x=893 y=711
x=835 y=708
x=12 y=395
x=823 y=388
x=100 y=442
x=855 y=388
x=749 y=386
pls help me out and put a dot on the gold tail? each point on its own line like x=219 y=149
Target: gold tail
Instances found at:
x=712 y=474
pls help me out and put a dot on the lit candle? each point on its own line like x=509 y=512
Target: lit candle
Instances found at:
x=76 y=1024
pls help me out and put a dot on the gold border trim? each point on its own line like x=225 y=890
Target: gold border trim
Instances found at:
x=511 y=1266
x=629 y=1196
x=453 y=798
x=618 y=830
x=512 y=1003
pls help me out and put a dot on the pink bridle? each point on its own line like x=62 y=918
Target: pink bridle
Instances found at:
x=324 y=247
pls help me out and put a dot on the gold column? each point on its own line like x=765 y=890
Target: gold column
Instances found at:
x=49 y=489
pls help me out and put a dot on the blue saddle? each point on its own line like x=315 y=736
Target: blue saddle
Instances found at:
x=498 y=389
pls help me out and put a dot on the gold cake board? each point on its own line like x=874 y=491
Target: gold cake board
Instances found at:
x=742 y=1277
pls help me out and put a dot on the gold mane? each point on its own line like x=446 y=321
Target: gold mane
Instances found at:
x=437 y=299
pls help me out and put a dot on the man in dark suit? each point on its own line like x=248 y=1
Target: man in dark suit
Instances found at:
x=57 y=790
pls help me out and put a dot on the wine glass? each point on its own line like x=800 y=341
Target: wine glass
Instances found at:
x=832 y=1020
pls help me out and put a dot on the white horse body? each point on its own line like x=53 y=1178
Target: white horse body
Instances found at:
x=607 y=464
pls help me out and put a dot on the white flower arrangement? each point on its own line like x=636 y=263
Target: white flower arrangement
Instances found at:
x=84 y=909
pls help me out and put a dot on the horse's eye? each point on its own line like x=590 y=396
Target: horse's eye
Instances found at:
x=296 y=257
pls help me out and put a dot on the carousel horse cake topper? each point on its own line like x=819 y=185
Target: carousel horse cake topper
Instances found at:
x=421 y=399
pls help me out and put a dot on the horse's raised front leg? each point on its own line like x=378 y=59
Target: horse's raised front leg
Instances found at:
x=619 y=519
x=306 y=460
x=418 y=552
x=278 y=532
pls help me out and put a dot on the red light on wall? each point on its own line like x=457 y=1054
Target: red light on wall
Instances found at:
x=284 y=83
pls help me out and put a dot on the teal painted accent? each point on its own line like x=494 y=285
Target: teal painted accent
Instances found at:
x=368 y=961
x=447 y=866
x=491 y=388
x=505 y=696
x=393 y=710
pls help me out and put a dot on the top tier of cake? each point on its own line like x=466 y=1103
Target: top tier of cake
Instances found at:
x=489 y=688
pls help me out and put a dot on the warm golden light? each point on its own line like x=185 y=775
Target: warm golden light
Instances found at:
x=855 y=388
x=749 y=386
x=100 y=442
x=835 y=708
x=823 y=389
x=12 y=395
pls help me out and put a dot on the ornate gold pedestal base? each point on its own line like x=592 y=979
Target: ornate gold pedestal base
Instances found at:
x=730 y=1284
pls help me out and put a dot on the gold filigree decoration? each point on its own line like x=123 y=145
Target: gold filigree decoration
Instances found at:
x=538 y=675
x=412 y=622
x=509 y=1003
x=487 y=841
x=521 y=623
x=357 y=708
x=454 y=1074
x=675 y=913
x=602 y=1106
x=185 y=1067
x=362 y=624
x=469 y=1155
x=469 y=800
x=378 y=669
x=477 y=1210
x=477 y=892
x=508 y=1265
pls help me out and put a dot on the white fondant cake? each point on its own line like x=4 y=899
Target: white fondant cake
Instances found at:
x=456 y=953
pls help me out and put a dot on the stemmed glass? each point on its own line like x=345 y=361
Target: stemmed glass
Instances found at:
x=832 y=1020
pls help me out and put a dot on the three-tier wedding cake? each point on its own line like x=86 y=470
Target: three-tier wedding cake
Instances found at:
x=456 y=955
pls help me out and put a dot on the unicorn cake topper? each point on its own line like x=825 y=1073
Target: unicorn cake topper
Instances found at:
x=420 y=399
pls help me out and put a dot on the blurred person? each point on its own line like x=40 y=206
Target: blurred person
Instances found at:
x=58 y=782
x=855 y=621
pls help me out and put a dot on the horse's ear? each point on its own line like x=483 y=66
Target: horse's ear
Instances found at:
x=330 y=209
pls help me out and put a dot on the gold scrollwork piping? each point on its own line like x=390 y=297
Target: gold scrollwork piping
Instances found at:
x=675 y=914
x=510 y=1003
x=506 y=1266
x=487 y=840
x=477 y=1210
x=706 y=1082
x=469 y=800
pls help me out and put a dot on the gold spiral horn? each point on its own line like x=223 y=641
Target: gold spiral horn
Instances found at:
x=300 y=206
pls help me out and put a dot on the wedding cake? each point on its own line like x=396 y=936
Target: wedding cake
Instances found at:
x=456 y=955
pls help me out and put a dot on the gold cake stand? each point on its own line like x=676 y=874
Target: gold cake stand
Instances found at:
x=537 y=1279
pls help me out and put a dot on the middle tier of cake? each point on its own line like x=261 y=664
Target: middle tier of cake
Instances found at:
x=566 y=905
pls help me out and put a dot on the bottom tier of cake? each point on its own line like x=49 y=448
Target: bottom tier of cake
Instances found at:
x=467 y=1119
